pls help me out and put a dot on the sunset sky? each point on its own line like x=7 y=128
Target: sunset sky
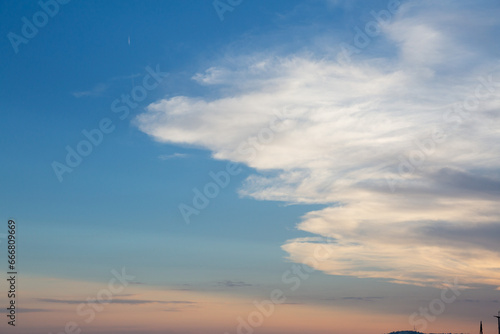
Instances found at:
x=272 y=167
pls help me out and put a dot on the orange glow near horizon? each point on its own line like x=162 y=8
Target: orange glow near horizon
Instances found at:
x=152 y=310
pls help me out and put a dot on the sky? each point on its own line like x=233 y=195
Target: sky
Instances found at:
x=237 y=166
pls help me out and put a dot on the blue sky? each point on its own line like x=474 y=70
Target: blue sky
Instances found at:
x=123 y=186
x=363 y=155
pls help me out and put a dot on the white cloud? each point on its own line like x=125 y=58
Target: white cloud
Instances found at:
x=321 y=132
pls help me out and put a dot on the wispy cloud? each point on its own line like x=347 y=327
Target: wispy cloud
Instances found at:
x=172 y=310
x=33 y=310
x=119 y=301
x=362 y=299
x=100 y=88
x=233 y=284
x=172 y=156
x=482 y=301
x=349 y=129
x=97 y=90
x=137 y=283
